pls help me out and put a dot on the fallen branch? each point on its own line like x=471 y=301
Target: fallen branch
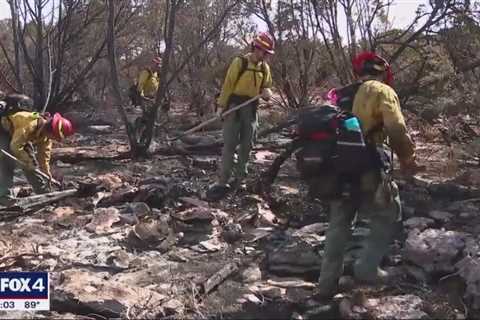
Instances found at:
x=28 y=203
x=219 y=277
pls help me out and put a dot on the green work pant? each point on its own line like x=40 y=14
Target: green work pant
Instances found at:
x=383 y=213
x=7 y=168
x=239 y=129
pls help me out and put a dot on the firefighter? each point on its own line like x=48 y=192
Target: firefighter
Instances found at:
x=377 y=106
x=28 y=136
x=247 y=77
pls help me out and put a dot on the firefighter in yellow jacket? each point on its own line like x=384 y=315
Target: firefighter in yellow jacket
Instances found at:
x=20 y=133
x=146 y=84
x=247 y=77
x=377 y=106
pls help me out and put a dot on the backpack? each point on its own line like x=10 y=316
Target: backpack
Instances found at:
x=346 y=95
x=331 y=139
x=13 y=103
x=244 y=67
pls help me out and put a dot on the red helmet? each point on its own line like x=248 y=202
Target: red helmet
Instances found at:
x=61 y=127
x=371 y=63
x=264 y=41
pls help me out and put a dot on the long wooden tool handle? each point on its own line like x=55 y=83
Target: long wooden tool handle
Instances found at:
x=55 y=182
x=205 y=123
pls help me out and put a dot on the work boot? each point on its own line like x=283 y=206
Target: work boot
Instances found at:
x=381 y=277
x=326 y=291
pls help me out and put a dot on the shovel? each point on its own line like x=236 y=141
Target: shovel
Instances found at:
x=206 y=123
x=40 y=173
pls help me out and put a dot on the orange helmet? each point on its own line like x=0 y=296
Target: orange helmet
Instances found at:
x=61 y=127
x=373 y=64
x=264 y=41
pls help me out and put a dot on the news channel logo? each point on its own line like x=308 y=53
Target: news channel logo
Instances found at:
x=26 y=291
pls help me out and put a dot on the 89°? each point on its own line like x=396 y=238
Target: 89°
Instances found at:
x=25 y=305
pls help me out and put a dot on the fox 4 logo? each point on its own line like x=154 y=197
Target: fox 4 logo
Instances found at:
x=21 y=285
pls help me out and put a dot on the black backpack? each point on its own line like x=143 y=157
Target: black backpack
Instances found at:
x=330 y=139
x=346 y=95
x=13 y=103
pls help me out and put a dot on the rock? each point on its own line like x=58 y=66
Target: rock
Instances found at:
x=194 y=214
x=211 y=245
x=345 y=309
x=316 y=228
x=396 y=307
x=417 y=197
x=346 y=283
x=174 y=256
x=139 y=209
x=173 y=306
x=467 y=215
x=420 y=223
x=469 y=270
x=232 y=232
x=408 y=212
x=296 y=257
x=416 y=273
x=61 y=215
x=128 y=218
x=462 y=206
x=103 y=219
x=82 y=290
x=120 y=259
x=452 y=191
x=441 y=216
x=152 y=234
x=194 y=202
x=110 y=181
x=251 y=274
x=433 y=249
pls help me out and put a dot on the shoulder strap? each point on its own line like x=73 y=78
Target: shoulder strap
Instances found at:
x=264 y=73
x=243 y=68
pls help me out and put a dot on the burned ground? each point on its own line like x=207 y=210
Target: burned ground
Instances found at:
x=145 y=243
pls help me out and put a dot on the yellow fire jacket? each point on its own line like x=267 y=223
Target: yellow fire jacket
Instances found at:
x=249 y=84
x=376 y=104
x=24 y=128
x=147 y=83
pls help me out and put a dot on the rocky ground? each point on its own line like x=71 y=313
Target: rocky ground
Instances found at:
x=147 y=244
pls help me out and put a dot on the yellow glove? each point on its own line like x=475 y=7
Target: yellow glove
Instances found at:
x=219 y=112
x=266 y=94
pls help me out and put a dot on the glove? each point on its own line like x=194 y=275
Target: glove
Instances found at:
x=266 y=94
